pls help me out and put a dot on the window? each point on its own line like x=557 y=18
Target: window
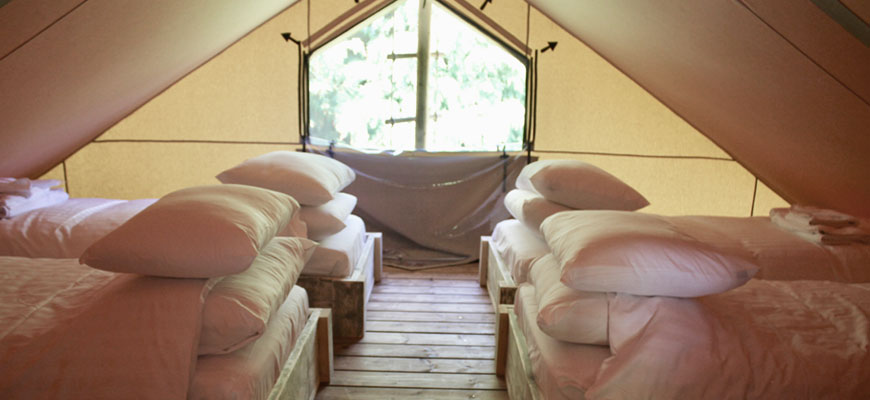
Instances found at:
x=417 y=78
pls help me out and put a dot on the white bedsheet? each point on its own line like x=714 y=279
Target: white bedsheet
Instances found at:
x=782 y=255
x=517 y=246
x=337 y=255
x=562 y=370
x=251 y=371
x=65 y=230
x=764 y=340
x=70 y=331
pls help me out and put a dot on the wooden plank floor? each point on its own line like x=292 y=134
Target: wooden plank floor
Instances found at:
x=429 y=335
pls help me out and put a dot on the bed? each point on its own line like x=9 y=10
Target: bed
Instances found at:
x=77 y=332
x=506 y=255
x=784 y=351
x=66 y=229
x=631 y=305
x=348 y=293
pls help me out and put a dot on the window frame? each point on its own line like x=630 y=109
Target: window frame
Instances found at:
x=421 y=116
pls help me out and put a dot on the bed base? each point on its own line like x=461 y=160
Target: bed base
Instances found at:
x=310 y=362
x=347 y=297
x=495 y=275
x=512 y=357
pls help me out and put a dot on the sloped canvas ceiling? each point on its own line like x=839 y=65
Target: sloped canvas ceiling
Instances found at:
x=777 y=84
x=70 y=69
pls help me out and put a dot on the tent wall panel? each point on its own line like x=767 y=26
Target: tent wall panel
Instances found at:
x=100 y=62
x=54 y=173
x=145 y=170
x=765 y=199
x=22 y=20
x=249 y=92
x=679 y=186
x=584 y=103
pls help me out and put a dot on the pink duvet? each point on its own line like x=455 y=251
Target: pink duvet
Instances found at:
x=70 y=331
x=764 y=340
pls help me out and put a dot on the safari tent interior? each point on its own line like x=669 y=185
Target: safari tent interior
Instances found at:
x=712 y=111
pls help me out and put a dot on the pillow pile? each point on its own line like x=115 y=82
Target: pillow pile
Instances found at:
x=224 y=232
x=550 y=186
x=316 y=182
x=641 y=254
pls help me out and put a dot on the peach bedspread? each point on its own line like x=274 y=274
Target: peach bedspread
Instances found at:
x=70 y=331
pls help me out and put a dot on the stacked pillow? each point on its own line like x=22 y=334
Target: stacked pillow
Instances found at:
x=550 y=186
x=596 y=253
x=316 y=182
x=224 y=232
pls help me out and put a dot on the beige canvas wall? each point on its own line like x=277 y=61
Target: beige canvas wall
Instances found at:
x=244 y=103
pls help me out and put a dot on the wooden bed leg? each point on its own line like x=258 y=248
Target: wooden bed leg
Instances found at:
x=501 y=338
x=483 y=263
x=379 y=254
x=324 y=346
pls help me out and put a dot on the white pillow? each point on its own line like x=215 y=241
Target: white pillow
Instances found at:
x=198 y=232
x=328 y=219
x=579 y=185
x=311 y=179
x=564 y=313
x=642 y=254
x=337 y=255
x=517 y=246
x=531 y=208
x=238 y=308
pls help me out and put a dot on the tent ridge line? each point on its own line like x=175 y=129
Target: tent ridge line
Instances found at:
x=604 y=153
x=807 y=56
x=36 y=35
x=195 y=141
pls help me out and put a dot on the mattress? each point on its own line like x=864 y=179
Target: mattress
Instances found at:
x=251 y=371
x=782 y=255
x=337 y=255
x=562 y=370
x=517 y=246
x=71 y=331
x=65 y=230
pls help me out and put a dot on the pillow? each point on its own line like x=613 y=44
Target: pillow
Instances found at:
x=564 y=313
x=328 y=219
x=642 y=254
x=238 y=308
x=336 y=256
x=310 y=178
x=530 y=208
x=579 y=185
x=517 y=246
x=198 y=232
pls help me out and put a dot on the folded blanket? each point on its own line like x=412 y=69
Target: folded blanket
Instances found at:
x=12 y=205
x=24 y=186
x=821 y=226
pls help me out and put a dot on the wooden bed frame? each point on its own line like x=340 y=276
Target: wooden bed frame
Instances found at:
x=347 y=297
x=310 y=362
x=495 y=275
x=512 y=357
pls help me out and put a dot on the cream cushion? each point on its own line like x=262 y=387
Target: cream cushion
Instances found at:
x=579 y=185
x=531 y=208
x=564 y=313
x=641 y=254
x=310 y=178
x=239 y=306
x=198 y=232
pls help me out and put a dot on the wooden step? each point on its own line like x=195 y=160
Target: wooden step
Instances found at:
x=396 y=364
x=367 y=393
x=416 y=380
x=415 y=351
x=429 y=316
x=431 y=327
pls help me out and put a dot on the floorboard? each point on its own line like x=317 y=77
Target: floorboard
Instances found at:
x=429 y=334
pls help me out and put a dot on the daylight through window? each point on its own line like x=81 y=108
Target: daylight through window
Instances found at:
x=372 y=89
